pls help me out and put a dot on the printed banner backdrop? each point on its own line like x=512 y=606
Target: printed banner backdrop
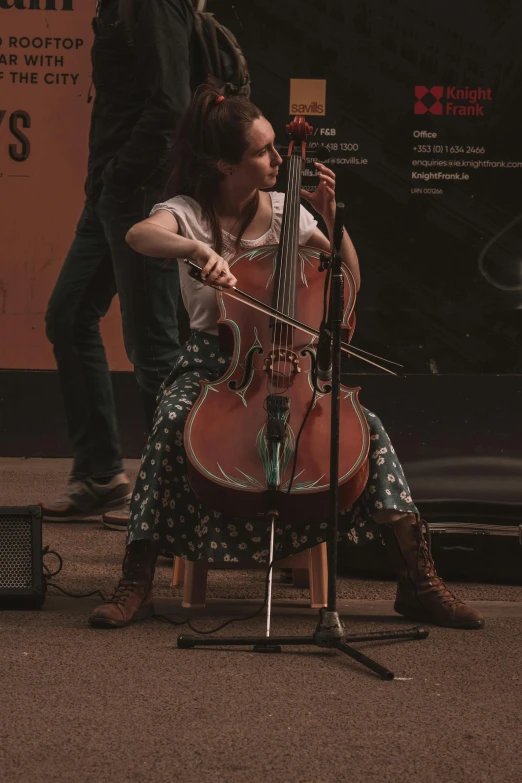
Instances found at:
x=44 y=126
x=419 y=106
x=423 y=120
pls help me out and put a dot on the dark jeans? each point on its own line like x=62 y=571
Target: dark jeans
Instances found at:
x=100 y=264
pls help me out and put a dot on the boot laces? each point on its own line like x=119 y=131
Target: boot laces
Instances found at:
x=122 y=592
x=446 y=595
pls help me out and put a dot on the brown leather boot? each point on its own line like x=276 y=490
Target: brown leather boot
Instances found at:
x=132 y=598
x=421 y=593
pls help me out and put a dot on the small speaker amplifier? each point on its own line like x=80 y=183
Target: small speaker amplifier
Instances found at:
x=21 y=569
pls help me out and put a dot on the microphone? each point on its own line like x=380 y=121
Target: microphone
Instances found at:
x=324 y=343
x=324 y=354
x=338 y=226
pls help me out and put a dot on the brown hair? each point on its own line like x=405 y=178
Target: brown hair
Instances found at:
x=212 y=130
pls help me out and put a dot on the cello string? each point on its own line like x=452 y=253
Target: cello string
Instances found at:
x=286 y=259
x=276 y=329
x=295 y=247
x=287 y=256
x=283 y=272
x=291 y=258
x=278 y=333
x=273 y=381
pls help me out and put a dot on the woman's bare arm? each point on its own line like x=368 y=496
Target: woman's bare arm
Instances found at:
x=158 y=236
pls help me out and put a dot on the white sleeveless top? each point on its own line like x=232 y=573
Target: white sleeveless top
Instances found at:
x=199 y=299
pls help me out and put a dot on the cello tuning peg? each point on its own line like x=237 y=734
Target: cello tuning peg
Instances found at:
x=322 y=152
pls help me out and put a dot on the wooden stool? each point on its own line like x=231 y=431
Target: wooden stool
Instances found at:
x=309 y=568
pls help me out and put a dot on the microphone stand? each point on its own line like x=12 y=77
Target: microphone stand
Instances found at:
x=330 y=631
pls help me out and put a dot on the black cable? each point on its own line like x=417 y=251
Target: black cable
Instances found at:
x=188 y=621
x=77 y=595
x=48 y=575
x=168 y=619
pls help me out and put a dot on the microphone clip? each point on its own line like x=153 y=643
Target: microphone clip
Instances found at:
x=325 y=262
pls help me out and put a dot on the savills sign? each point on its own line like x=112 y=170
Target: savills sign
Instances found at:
x=308 y=96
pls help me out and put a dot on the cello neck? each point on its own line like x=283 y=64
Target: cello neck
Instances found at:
x=286 y=263
x=284 y=291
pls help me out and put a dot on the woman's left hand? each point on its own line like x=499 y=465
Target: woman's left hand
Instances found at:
x=323 y=198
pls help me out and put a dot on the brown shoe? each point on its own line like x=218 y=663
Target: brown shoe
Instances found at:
x=132 y=598
x=421 y=593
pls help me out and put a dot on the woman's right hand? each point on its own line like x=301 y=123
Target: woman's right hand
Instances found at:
x=214 y=269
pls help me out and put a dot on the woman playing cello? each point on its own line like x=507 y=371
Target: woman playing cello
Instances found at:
x=226 y=166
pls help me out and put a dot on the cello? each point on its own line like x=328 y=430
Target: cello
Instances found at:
x=241 y=434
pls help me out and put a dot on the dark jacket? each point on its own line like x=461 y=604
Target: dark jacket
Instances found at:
x=141 y=92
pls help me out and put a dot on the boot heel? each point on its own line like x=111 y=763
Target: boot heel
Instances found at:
x=410 y=612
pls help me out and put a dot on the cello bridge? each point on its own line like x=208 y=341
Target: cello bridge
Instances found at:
x=278 y=358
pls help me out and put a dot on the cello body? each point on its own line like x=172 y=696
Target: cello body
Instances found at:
x=230 y=462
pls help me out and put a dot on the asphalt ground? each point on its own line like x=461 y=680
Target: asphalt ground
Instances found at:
x=80 y=704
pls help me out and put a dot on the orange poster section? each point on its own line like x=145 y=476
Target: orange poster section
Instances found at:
x=44 y=127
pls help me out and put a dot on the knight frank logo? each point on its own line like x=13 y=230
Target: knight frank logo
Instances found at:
x=427 y=100
x=451 y=101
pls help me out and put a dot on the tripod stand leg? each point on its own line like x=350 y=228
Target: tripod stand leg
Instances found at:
x=384 y=674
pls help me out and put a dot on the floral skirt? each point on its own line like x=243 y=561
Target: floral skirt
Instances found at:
x=165 y=509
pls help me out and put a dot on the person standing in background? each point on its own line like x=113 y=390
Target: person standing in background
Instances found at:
x=142 y=82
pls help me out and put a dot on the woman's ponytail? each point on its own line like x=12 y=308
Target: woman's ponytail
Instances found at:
x=215 y=127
